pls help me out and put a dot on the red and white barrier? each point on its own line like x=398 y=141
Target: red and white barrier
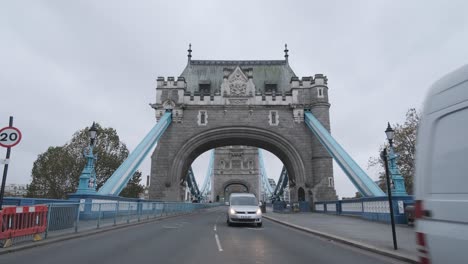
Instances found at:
x=22 y=221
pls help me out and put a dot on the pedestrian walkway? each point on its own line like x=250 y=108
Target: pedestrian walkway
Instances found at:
x=374 y=236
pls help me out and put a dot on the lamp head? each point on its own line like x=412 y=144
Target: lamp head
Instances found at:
x=92 y=132
x=390 y=133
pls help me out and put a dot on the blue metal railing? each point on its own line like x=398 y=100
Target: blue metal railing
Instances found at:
x=370 y=208
x=356 y=174
x=119 y=179
x=74 y=217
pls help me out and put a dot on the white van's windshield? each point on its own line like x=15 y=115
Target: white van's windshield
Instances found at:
x=244 y=201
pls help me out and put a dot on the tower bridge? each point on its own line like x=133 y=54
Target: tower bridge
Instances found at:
x=262 y=104
x=253 y=103
x=235 y=109
x=256 y=103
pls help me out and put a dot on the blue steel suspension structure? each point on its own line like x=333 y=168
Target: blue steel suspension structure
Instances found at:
x=192 y=184
x=119 y=179
x=206 y=186
x=265 y=182
x=282 y=183
x=356 y=174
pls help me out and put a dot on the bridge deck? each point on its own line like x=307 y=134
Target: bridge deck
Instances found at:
x=196 y=238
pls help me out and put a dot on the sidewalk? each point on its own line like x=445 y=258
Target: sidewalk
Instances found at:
x=373 y=236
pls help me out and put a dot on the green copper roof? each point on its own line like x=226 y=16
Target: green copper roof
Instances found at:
x=263 y=71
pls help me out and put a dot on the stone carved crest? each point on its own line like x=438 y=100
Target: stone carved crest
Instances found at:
x=238 y=83
x=238 y=88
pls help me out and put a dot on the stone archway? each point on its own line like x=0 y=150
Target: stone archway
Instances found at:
x=236 y=186
x=227 y=136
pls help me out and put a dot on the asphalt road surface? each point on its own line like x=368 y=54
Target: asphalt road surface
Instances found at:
x=201 y=238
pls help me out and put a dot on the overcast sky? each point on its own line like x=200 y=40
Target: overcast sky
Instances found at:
x=65 y=64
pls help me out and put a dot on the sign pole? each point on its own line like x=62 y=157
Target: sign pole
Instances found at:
x=5 y=170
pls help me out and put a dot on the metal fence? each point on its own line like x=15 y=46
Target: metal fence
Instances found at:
x=76 y=217
x=72 y=217
x=370 y=208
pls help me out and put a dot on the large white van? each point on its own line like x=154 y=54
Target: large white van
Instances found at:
x=441 y=181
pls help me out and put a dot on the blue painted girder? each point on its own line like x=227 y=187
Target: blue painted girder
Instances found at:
x=192 y=184
x=282 y=183
x=119 y=179
x=263 y=173
x=209 y=174
x=365 y=185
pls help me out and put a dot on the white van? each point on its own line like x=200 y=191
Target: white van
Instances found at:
x=244 y=209
x=441 y=180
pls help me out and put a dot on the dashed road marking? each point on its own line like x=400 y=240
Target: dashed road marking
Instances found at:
x=218 y=243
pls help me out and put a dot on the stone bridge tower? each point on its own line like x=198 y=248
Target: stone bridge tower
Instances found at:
x=235 y=170
x=257 y=103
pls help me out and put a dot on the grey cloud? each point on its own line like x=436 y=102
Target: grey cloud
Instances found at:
x=66 y=64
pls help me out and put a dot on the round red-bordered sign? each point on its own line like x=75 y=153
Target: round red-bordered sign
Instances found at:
x=9 y=137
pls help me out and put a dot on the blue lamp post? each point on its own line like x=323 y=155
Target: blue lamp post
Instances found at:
x=398 y=183
x=87 y=184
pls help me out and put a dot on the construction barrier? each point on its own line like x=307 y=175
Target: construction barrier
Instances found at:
x=22 y=221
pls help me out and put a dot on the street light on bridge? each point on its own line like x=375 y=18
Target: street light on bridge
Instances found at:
x=87 y=183
x=397 y=185
x=397 y=182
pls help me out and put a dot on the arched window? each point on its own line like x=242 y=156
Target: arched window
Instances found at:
x=300 y=195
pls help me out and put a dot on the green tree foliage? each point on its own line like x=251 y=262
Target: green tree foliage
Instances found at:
x=134 y=188
x=56 y=172
x=404 y=143
x=53 y=174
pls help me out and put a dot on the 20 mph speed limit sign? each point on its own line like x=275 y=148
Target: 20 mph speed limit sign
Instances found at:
x=9 y=137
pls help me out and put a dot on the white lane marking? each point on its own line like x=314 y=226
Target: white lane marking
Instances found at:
x=218 y=243
x=170 y=227
x=214 y=228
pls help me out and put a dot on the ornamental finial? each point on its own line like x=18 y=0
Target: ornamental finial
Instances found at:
x=286 y=52
x=189 y=51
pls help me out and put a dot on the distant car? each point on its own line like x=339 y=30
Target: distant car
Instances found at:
x=243 y=209
x=441 y=179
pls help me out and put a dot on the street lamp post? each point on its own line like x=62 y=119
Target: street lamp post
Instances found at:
x=398 y=183
x=87 y=184
x=384 y=156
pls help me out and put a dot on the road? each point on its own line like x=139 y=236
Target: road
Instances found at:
x=202 y=237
